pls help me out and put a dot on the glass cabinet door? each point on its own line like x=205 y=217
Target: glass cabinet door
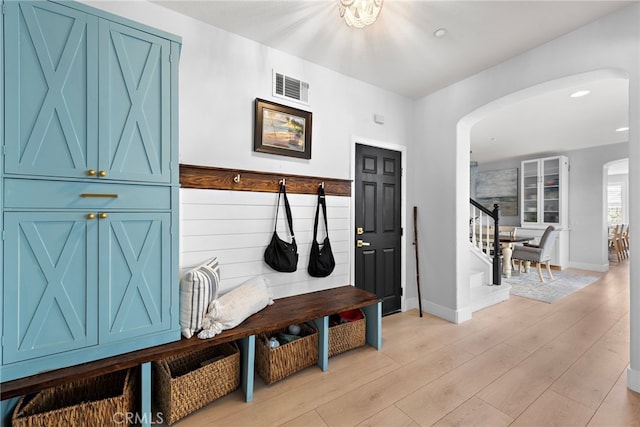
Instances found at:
x=530 y=192
x=551 y=190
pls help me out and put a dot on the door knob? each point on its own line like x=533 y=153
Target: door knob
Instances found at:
x=103 y=215
x=360 y=243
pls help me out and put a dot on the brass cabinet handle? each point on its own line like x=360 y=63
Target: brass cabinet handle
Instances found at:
x=102 y=173
x=91 y=216
x=97 y=195
x=103 y=215
x=91 y=172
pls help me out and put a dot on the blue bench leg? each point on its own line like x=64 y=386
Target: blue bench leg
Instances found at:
x=374 y=324
x=248 y=354
x=323 y=342
x=146 y=394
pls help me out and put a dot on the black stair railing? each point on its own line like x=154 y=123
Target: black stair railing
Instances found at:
x=497 y=249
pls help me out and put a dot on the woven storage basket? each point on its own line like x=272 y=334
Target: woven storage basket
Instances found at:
x=347 y=336
x=274 y=364
x=99 y=401
x=183 y=385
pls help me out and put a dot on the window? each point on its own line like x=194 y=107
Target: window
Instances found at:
x=615 y=206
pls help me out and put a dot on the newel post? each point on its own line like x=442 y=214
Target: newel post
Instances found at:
x=497 y=249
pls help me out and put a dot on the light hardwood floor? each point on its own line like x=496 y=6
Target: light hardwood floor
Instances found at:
x=521 y=362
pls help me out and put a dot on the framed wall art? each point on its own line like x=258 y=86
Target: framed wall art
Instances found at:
x=501 y=187
x=282 y=130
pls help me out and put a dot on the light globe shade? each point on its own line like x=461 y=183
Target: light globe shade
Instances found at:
x=360 y=13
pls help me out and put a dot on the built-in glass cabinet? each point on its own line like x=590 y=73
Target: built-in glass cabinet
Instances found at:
x=543 y=195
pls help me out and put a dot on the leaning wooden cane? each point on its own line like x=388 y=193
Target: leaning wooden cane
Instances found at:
x=415 y=242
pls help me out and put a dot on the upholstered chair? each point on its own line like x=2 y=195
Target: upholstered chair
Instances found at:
x=540 y=253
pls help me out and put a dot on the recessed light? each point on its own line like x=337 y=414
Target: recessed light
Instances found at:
x=622 y=129
x=440 y=33
x=579 y=93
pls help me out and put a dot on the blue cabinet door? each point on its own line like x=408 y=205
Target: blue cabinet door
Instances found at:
x=50 y=292
x=135 y=273
x=135 y=104
x=51 y=84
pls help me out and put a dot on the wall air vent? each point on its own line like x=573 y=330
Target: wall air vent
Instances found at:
x=290 y=88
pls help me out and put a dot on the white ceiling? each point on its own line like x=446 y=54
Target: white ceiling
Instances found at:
x=399 y=53
x=555 y=122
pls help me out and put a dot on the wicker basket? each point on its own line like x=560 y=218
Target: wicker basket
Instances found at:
x=184 y=384
x=347 y=336
x=274 y=364
x=99 y=401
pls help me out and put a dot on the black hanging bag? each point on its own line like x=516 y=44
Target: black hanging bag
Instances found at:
x=321 y=261
x=280 y=255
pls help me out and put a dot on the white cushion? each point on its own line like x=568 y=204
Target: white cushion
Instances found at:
x=235 y=306
x=198 y=288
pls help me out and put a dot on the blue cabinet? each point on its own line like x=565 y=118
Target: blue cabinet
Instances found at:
x=86 y=96
x=51 y=80
x=134 y=270
x=50 y=292
x=89 y=187
x=134 y=127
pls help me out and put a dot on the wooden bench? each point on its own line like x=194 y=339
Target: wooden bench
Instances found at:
x=314 y=306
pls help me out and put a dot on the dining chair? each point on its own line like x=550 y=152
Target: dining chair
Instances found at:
x=624 y=241
x=540 y=253
x=616 y=241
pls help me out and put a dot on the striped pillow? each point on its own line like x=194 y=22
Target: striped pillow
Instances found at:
x=198 y=287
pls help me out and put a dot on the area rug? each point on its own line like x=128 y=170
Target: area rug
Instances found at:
x=528 y=285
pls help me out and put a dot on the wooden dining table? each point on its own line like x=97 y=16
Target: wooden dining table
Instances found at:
x=506 y=243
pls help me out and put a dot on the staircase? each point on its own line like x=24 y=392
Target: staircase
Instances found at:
x=486 y=288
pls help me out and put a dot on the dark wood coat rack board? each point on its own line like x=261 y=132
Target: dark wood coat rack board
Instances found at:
x=214 y=178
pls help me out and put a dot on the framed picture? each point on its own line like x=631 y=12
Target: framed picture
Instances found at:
x=501 y=187
x=282 y=130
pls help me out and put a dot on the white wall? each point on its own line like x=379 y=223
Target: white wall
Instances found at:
x=587 y=222
x=440 y=153
x=235 y=227
x=221 y=74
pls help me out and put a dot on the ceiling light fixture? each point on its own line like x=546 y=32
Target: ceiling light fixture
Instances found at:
x=579 y=93
x=360 y=13
x=622 y=129
x=440 y=33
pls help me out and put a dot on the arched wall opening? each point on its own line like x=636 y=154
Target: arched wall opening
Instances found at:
x=463 y=136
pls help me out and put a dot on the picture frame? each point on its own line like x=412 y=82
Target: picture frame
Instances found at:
x=498 y=186
x=282 y=130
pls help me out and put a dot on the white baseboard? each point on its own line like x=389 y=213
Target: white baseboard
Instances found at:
x=410 y=303
x=454 y=316
x=633 y=379
x=601 y=268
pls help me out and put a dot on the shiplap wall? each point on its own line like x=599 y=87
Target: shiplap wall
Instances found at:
x=236 y=226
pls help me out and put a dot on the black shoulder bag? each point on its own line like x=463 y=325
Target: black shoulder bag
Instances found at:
x=280 y=255
x=321 y=261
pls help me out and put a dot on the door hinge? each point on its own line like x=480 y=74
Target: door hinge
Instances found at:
x=401 y=291
x=3 y=8
x=3 y=235
x=401 y=231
